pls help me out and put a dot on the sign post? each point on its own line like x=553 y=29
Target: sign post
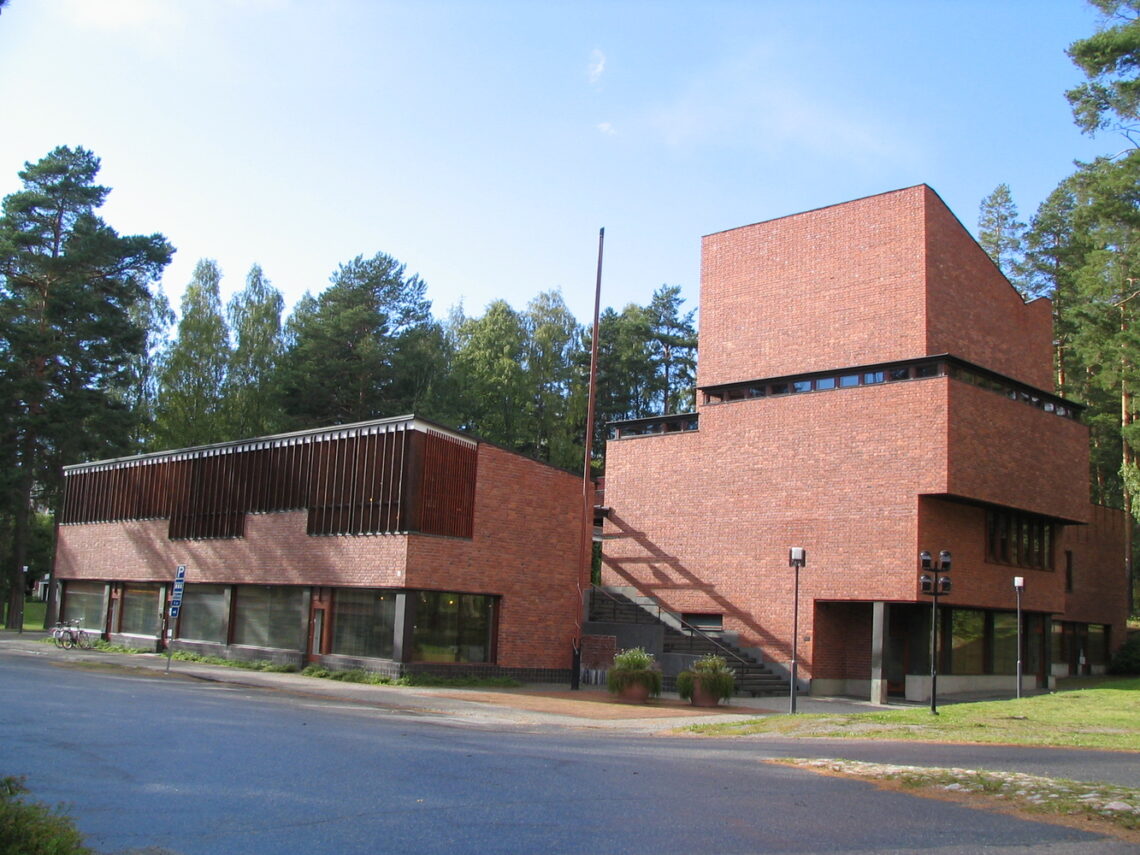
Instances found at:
x=175 y=610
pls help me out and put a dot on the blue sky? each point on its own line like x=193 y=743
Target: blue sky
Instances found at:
x=484 y=144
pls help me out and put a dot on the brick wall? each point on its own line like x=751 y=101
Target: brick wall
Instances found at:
x=1009 y=453
x=763 y=286
x=703 y=520
x=893 y=276
x=973 y=312
x=525 y=548
x=1100 y=587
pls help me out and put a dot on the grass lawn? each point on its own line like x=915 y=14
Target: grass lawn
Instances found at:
x=1101 y=713
x=34 y=612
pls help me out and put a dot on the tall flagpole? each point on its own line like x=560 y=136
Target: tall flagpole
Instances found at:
x=586 y=553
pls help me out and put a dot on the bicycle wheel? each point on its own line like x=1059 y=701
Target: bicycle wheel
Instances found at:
x=66 y=641
x=84 y=639
x=57 y=636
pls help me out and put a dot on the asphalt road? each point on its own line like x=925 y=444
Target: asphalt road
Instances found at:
x=158 y=764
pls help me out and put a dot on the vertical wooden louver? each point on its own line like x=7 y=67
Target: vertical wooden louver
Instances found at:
x=374 y=478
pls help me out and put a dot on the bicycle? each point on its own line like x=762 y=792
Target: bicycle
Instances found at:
x=70 y=634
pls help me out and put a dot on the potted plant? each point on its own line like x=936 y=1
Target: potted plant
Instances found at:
x=707 y=682
x=634 y=676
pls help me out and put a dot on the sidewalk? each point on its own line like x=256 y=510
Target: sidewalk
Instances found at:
x=535 y=704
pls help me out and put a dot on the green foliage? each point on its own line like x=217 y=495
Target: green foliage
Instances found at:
x=242 y=664
x=468 y=682
x=634 y=667
x=346 y=347
x=70 y=288
x=250 y=400
x=33 y=828
x=673 y=349
x=190 y=409
x=712 y=673
x=634 y=659
x=1002 y=235
x=1126 y=660
x=1110 y=98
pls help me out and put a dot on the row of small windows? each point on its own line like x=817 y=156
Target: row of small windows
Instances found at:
x=847 y=379
x=655 y=426
x=1022 y=540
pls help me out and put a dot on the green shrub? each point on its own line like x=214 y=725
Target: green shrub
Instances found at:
x=713 y=674
x=32 y=828
x=631 y=668
x=469 y=682
x=1126 y=660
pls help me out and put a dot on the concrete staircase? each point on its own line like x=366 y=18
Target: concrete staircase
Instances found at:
x=610 y=605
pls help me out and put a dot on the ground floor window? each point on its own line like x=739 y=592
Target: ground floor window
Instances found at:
x=452 y=627
x=967 y=641
x=141 y=610
x=970 y=641
x=364 y=623
x=85 y=602
x=203 y=613
x=1081 y=646
x=269 y=616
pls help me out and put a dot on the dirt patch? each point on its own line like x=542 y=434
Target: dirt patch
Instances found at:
x=593 y=705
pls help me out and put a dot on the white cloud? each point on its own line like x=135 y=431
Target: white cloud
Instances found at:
x=607 y=128
x=597 y=67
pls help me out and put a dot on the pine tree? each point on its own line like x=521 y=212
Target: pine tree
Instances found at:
x=70 y=287
x=673 y=346
x=1110 y=58
x=343 y=350
x=1002 y=236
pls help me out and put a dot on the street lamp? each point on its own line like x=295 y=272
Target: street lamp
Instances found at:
x=1018 y=587
x=797 y=558
x=934 y=586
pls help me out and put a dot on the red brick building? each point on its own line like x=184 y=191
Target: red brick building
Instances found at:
x=394 y=545
x=870 y=386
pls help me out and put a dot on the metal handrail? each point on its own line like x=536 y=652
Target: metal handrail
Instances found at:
x=719 y=645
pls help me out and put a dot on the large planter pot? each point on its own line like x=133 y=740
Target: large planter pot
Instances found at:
x=633 y=693
x=702 y=697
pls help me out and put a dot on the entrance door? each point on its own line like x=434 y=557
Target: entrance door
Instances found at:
x=318 y=610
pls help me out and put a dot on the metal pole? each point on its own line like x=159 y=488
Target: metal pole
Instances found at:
x=586 y=549
x=795 y=642
x=934 y=648
x=1017 y=588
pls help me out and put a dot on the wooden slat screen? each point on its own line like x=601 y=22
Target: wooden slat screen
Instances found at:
x=370 y=479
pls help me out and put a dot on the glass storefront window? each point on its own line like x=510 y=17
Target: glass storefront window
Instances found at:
x=85 y=602
x=364 y=623
x=141 y=610
x=203 y=613
x=1005 y=643
x=968 y=642
x=269 y=616
x=1096 y=653
x=453 y=627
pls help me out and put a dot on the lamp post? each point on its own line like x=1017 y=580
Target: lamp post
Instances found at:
x=797 y=558
x=1018 y=587
x=934 y=585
